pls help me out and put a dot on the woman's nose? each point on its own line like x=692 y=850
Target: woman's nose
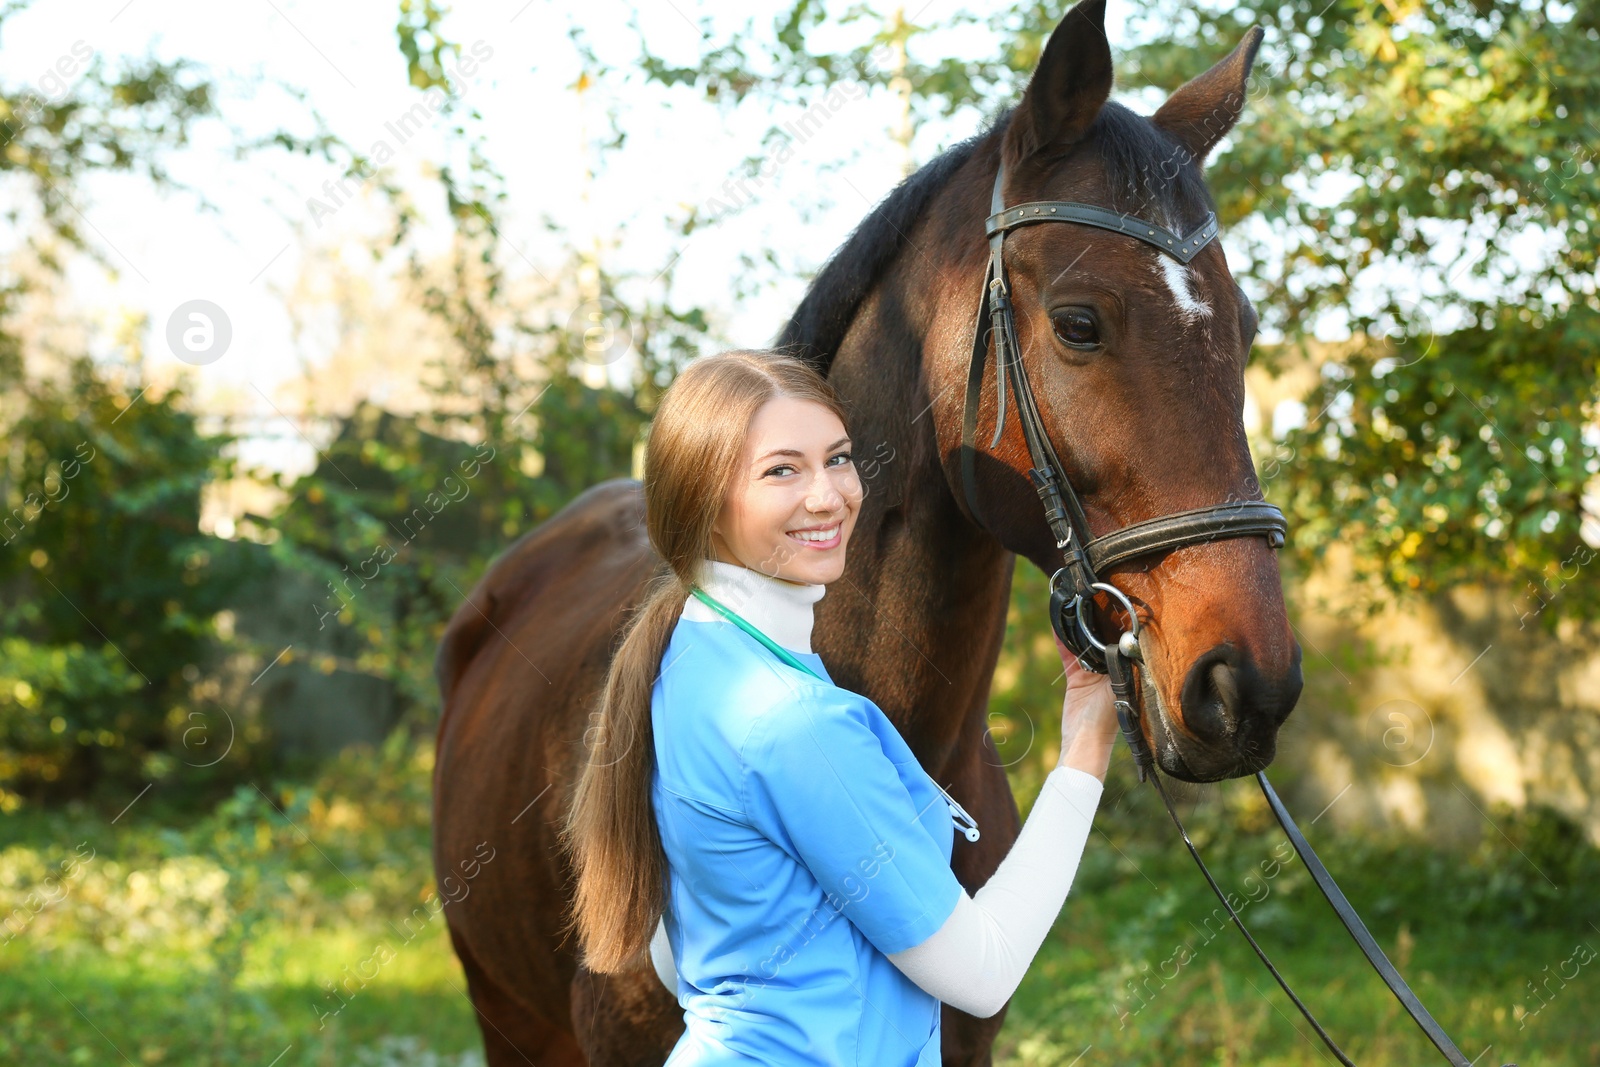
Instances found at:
x=825 y=496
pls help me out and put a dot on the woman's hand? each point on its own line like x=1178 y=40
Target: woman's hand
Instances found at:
x=1088 y=718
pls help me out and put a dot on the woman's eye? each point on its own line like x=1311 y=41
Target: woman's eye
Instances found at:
x=1076 y=327
x=789 y=466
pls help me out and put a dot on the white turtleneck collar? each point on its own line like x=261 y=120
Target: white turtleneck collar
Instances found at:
x=778 y=608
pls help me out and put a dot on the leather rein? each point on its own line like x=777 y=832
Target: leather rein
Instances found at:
x=1074 y=586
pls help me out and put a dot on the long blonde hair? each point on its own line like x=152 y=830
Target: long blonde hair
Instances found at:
x=610 y=836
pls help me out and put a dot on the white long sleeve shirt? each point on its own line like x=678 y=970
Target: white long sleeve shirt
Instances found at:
x=977 y=958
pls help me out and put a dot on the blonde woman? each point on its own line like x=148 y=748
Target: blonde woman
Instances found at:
x=767 y=836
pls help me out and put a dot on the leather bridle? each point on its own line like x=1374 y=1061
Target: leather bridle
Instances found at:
x=1083 y=560
x=1075 y=584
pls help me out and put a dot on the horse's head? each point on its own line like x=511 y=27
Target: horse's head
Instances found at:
x=1136 y=362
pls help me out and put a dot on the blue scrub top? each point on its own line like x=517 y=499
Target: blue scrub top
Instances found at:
x=804 y=843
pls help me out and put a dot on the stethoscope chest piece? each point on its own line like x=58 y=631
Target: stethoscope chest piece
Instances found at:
x=958 y=815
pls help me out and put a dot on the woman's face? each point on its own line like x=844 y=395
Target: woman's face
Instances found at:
x=796 y=475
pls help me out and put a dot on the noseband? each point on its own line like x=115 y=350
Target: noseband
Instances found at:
x=1074 y=586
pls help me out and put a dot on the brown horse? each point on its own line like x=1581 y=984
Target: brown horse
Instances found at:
x=1137 y=364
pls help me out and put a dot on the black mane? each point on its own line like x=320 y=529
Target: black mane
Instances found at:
x=1151 y=174
x=817 y=327
x=1138 y=158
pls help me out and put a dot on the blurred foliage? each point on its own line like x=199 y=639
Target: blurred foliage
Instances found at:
x=110 y=590
x=108 y=621
x=304 y=913
x=114 y=669
x=388 y=519
x=78 y=118
x=396 y=523
x=235 y=931
x=1448 y=144
x=1426 y=173
x=55 y=135
x=1468 y=464
x=417 y=507
x=424 y=50
x=801 y=54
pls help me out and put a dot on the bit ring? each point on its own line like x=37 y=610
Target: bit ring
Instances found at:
x=1127 y=605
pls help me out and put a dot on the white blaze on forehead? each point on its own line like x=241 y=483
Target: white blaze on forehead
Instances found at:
x=1181 y=281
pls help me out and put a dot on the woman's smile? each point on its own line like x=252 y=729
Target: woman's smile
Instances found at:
x=790 y=512
x=819 y=538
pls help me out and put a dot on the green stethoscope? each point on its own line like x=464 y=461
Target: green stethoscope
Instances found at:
x=958 y=815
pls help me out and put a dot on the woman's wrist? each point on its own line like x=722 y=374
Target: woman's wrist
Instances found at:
x=1088 y=754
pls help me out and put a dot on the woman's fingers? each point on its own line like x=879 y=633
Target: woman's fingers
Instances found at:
x=1069 y=659
x=1077 y=674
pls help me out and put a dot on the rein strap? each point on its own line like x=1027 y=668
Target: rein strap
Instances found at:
x=1084 y=560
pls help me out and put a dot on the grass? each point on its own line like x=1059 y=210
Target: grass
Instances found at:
x=1144 y=967
x=180 y=938
x=1178 y=985
x=75 y=1006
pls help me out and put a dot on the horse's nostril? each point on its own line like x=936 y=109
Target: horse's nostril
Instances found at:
x=1289 y=692
x=1226 y=683
x=1211 y=698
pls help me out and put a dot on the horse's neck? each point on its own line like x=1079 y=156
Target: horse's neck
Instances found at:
x=916 y=621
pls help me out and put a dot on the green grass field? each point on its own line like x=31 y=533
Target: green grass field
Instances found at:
x=169 y=938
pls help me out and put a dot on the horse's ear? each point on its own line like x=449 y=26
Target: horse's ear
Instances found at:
x=1069 y=86
x=1205 y=108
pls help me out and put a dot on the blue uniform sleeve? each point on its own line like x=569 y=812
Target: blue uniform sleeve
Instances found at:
x=819 y=784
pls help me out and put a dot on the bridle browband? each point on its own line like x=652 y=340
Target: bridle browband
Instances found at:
x=1083 y=561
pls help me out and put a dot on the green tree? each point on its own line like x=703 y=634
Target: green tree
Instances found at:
x=111 y=591
x=402 y=514
x=107 y=619
x=1417 y=175
x=1425 y=174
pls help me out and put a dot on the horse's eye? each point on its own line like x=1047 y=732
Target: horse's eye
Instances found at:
x=1076 y=327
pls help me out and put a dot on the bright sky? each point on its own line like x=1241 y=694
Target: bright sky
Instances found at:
x=244 y=258
x=344 y=58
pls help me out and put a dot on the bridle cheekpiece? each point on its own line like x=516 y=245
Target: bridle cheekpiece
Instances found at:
x=1083 y=561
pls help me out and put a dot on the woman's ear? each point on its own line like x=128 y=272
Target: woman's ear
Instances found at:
x=719 y=544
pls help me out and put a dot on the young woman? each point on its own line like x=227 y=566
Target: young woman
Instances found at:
x=795 y=853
